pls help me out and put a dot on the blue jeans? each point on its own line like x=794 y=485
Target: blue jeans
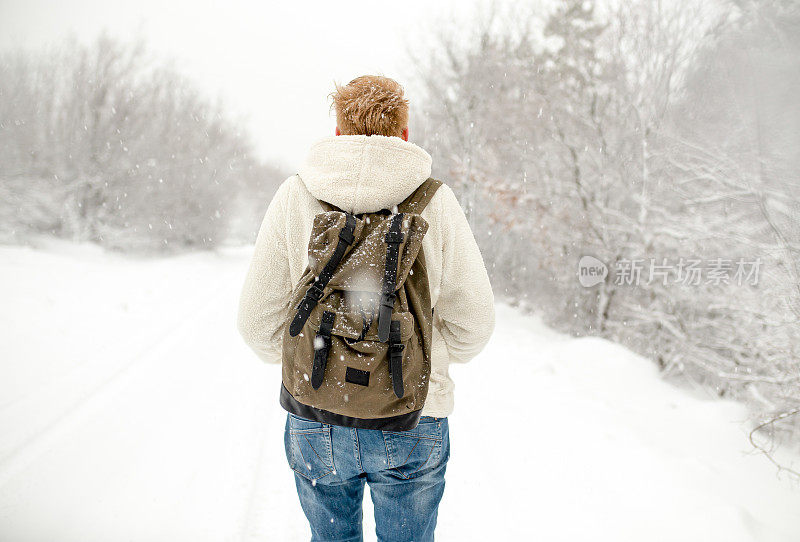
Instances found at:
x=405 y=472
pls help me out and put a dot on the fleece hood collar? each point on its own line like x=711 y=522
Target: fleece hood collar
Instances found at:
x=364 y=174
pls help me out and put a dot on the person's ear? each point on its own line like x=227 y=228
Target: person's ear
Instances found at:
x=405 y=133
x=337 y=131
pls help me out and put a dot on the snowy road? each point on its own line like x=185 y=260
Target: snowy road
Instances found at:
x=130 y=409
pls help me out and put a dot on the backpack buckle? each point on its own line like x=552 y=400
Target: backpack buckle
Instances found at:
x=385 y=316
x=321 y=350
x=315 y=292
x=395 y=337
x=394 y=237
x=395 y=352
x=347 y=236
x=387 y=300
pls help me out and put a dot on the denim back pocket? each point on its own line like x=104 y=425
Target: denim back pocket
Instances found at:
x=410 y=453
x=308 y=447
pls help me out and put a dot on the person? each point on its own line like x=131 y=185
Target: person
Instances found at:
x=369 y=165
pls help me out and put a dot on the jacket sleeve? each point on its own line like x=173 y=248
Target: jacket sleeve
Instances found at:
x=265 y=296
x=464 y=309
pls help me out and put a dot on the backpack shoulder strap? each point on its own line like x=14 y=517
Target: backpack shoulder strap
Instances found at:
x=419 y=198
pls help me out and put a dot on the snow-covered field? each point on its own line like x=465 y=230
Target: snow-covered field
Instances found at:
x=130 y=410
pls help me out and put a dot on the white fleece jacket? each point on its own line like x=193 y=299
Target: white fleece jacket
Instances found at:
x=364 y=174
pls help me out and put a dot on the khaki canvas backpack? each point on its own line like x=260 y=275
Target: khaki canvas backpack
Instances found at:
x=357 y=346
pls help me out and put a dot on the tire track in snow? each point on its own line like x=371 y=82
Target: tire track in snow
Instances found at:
x=256 y=484
x=80 y=410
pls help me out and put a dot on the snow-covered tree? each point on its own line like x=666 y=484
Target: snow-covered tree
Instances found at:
x=635 y=132
x=101 y=143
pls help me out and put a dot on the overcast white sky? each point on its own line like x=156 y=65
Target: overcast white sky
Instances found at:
x=272 y=62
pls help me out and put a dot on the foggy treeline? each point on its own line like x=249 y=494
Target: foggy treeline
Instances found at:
x=651 y=130
x=101 y=143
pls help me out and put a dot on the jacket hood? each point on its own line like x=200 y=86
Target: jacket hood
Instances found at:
x=364 y=174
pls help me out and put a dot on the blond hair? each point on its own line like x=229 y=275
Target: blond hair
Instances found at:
x=370 y=105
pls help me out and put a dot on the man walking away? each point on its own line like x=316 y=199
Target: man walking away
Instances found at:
x=367 y=167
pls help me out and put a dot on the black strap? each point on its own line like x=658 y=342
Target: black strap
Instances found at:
x=315 y=291
x=322 y=345
x=396 y=358
x=393 y=239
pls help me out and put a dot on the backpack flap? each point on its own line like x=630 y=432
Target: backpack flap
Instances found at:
x=363 y=269
x=379 y=262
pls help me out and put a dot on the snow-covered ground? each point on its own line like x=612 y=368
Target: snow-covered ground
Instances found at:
x=130 y=410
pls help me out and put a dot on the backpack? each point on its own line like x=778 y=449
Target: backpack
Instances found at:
x=357 y=346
